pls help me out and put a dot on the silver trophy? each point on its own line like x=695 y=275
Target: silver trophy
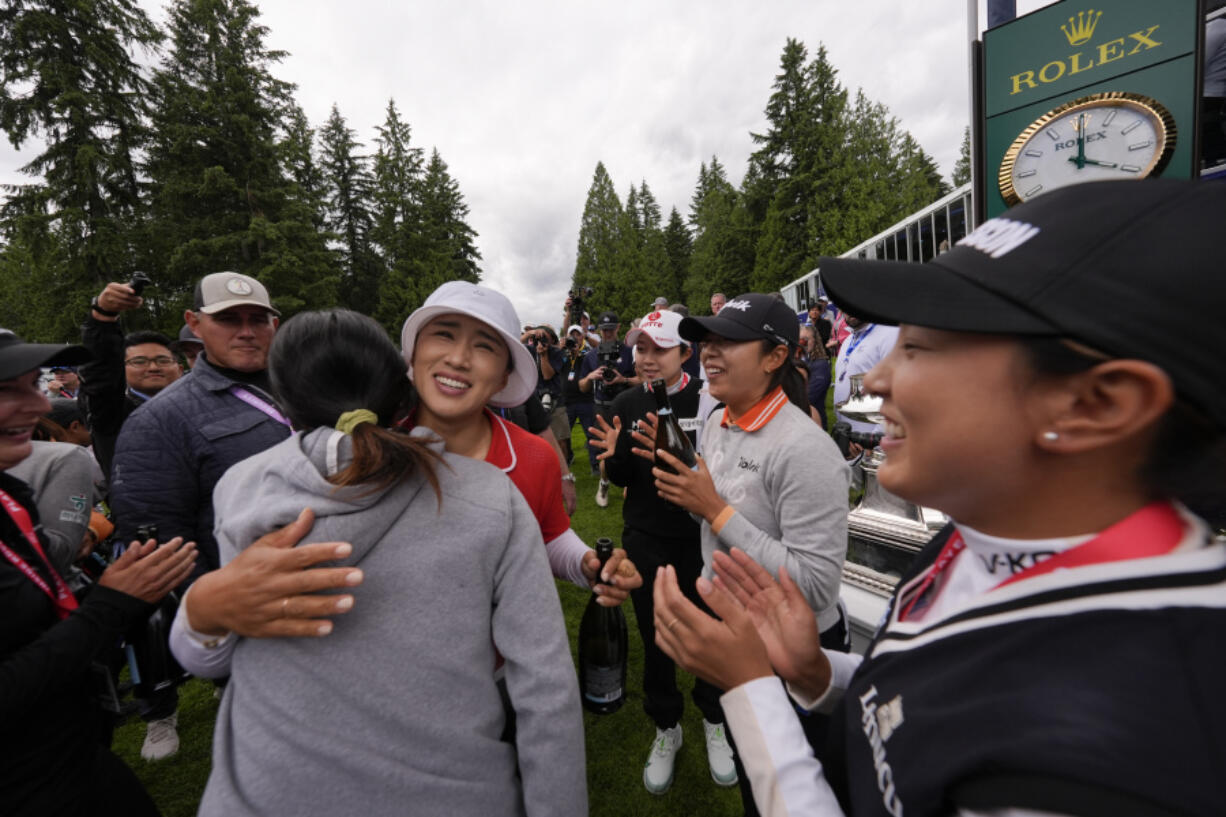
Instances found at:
x=884 y=531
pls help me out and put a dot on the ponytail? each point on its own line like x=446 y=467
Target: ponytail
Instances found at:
x=382 y=457
x=786 y=375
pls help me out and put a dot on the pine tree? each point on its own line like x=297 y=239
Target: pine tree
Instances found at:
x=348 y=184
x=449 y=240
x=679 y=246
x=397 y=231
x=607 y=256
x=962 y=167
x=220 y=197
x=807 y=116
x=723 y=252
x=68 y=75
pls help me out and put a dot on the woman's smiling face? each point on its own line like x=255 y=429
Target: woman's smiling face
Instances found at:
x=459 y=363
x=961 y=413
x=21 y=404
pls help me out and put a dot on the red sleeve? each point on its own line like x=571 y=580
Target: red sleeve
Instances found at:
x=538 y=475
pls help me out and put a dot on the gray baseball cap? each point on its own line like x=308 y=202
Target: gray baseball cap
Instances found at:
x=223 y=290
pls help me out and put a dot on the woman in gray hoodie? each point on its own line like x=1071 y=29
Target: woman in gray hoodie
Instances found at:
x=396 y=711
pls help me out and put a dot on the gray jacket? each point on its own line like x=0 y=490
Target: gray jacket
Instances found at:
x=397 y=711
x=788 y=483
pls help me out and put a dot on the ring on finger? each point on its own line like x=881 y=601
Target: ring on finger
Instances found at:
x=285 y=607
x=670 y=624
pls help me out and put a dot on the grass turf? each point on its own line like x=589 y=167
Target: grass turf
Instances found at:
x=617 y=744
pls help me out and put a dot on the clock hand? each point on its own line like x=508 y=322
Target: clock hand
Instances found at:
x=1080 y=161
x=1101 y=164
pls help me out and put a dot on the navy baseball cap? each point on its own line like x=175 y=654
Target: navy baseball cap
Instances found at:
x=1130 y=268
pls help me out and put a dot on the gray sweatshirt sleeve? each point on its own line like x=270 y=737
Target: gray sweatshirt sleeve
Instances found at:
x=65 y=498
x=807 y=484
x=530 y=632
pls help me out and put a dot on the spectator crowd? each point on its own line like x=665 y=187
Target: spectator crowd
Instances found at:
x=284 y=507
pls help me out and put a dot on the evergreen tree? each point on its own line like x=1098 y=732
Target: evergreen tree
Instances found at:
x=607 y=254
x=297 y=149
x=723 y=254
x=220 y=198
x=962 y=168
x=348 y=184
x=802 y=146
x=450 y=247
x=68 y=75
x=397 y=230
x=678 y=245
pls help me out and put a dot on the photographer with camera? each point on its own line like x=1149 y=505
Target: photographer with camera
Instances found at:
x=606 y=371
x=542 y=341
x=579 y=404
x=126 y=370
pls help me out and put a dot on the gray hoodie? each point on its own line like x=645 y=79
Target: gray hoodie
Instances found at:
x=397 y=711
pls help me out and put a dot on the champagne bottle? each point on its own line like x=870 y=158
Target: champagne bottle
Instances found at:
x=669 y=436
x=603 y=649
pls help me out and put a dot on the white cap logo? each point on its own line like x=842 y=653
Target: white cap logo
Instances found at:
x=738 y=305
x=238 y=286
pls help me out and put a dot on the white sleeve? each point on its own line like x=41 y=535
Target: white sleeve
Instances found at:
x=785 y=777
x=202 y=655
x=566 y=552
x=843 y=665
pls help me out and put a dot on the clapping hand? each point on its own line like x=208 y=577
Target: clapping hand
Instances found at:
x=727 y=652
x=782 y=617
x=149 y=571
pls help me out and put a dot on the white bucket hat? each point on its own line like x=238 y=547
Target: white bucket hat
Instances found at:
x=491 y=308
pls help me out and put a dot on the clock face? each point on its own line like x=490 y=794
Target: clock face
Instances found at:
x=1103 y=136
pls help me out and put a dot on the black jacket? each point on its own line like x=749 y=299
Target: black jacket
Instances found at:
x=49 y=722
x=644 y=510
x=104 y=395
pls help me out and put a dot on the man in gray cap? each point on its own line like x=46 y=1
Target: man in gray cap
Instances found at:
x=172 y=450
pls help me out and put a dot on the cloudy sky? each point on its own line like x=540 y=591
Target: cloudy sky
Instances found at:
x=522 y=99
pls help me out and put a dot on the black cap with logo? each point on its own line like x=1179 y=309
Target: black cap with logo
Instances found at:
x=608 y=320
x=18 y=357
x=752 y=316
x=1131 y=268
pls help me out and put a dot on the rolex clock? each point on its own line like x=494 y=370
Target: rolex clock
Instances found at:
x=1113 y=135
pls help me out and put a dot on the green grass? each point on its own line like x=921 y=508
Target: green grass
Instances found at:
x=617 y=744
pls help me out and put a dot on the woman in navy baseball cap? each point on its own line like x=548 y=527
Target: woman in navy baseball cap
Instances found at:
x=1057 y=390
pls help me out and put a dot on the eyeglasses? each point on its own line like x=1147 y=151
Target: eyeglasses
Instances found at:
x=145 y=362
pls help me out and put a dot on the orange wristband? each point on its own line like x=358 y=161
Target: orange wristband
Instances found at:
x=721 y=519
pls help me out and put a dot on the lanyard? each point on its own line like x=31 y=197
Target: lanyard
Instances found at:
x=1154 y=530
x=61 y=597
x=851 y=348
x=260 y=404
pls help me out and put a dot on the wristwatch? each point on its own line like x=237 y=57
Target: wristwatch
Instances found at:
x=568 y=477
x=106 y=313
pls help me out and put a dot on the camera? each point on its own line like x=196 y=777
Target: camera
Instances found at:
x=609 y=354
x=570 y=343
x=139 y=281
x=577 y=297
x=843 y=436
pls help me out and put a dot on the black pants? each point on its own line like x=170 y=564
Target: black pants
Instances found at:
x=662 y=701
